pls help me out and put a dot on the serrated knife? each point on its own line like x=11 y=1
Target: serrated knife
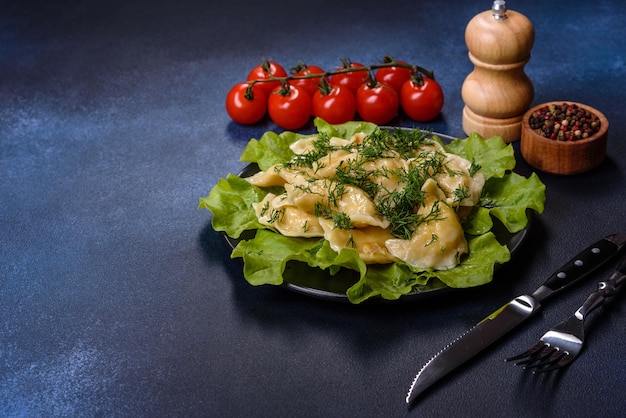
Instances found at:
x=512 y=314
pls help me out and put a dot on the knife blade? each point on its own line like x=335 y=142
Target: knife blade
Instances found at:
x=513 y=313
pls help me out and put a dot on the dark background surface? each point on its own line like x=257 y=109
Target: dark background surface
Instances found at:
x=118 y=299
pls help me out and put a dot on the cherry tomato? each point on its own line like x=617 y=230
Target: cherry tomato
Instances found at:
x=289 y=107
x=421 y=98
x=246 y=104
x=334 y=104
x=350 y=79
x=266 y=70
x=393 y=76
x=376 y=102
x=310 y=85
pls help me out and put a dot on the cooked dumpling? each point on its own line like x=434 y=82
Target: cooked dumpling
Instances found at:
x=357 y=205
x=326 y=195
x=461 y=188
x=306 y=193
x=267 y=178
x=291 y=221
x=437 y=243
x=387 y=174
x=368 y=241
x=326 y=167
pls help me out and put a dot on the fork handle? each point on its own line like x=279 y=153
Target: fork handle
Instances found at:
x=606 y=289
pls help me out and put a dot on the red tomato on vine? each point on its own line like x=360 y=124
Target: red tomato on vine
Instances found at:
x=334 y=104
x=246 y=104
x=421 y=98
x=310 y=85
x=265 y=70
x=289 y=107
x=376 y=102
x=393 y=76
x=349 y=79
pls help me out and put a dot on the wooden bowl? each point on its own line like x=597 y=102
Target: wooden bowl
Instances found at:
x=563 y=157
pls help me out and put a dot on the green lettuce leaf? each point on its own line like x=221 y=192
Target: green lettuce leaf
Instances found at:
x=477 y=269
x=493 y=155
x=230 y=201
x=507 y=199
x=271 y=149
x=266 y=255
x=344 y=130
x=389 y=281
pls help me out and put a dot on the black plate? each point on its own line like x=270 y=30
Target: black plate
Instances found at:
x=318 y=283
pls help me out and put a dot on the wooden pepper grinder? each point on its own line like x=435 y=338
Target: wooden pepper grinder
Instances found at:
x=498 y=92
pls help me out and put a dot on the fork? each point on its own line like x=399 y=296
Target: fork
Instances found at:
x=560 y=345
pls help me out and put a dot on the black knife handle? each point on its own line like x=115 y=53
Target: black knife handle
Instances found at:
x=580 y=266
x=606 y=289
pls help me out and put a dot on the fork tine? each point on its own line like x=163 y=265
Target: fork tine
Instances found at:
x=565 y=359
x=547 y=361
x=531 y=352
x=538 y=358
x=536 y=353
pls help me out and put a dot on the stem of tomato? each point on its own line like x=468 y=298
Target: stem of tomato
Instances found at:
x=417 y=79
x=325 y=87
x=371 y=81
x=388 y=62
x=284 y=88
x=249 y=94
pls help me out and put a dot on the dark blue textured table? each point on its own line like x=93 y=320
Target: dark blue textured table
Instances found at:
x=118 y=299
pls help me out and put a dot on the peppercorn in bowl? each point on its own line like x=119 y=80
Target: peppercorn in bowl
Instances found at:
x=564 y=137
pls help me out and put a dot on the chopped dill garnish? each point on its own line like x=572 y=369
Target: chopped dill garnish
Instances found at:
x=306 y=188
x=474 y=168
x=431 y=163
x=451 y=172
x=321 y=147
x=384 y=143
x=404 y=224
x=433 y=238
x=264 y=209
x=488 y=203
x=351 y=172
x=336 y=190
x=461 y=193
x=276 y=215
x=341 y=220
x=321 y=211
